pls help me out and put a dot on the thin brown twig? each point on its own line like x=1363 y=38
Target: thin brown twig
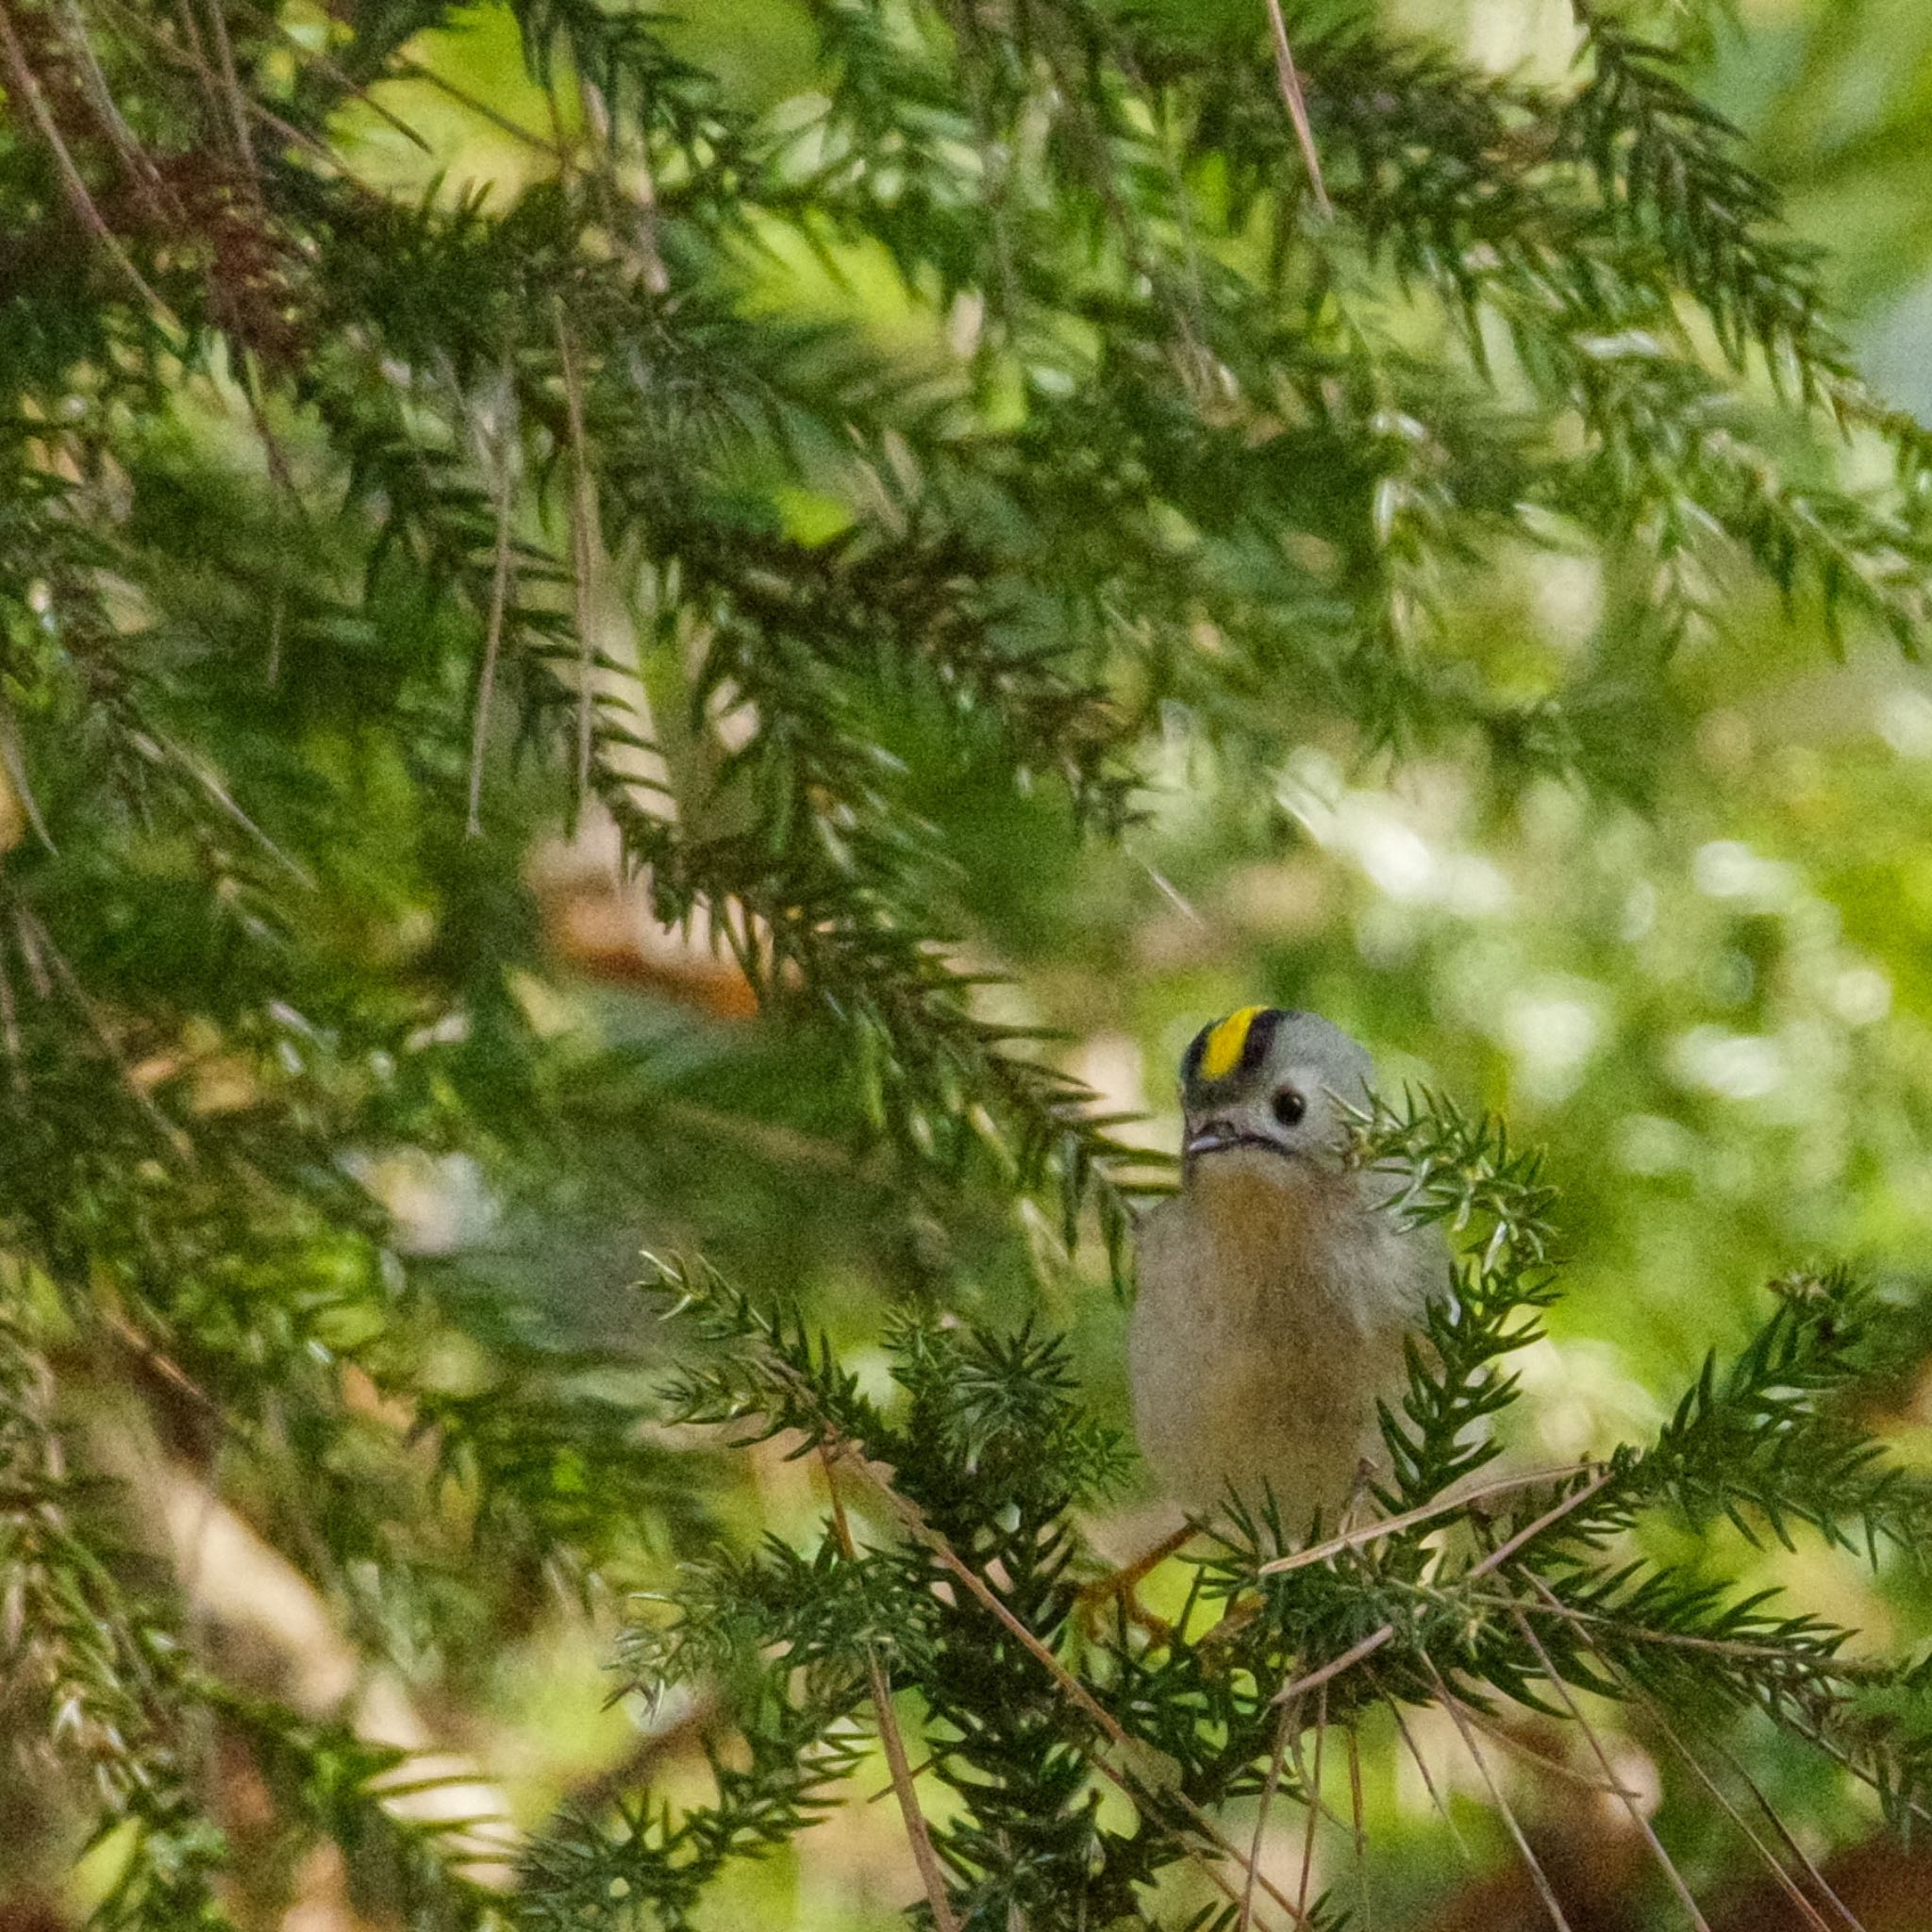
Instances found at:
x=234 y=94
x=1421 y=1765
x=1391 y=1526
x=1300 y=1897
x=1297 y=107
x=1283 y=1730
x=1533 y=1865
x=923 y=1855
x=1542 y=1759
x=1069 y=1684
x=885 y=1789
x=277 y=619
x=600 y=129
x=1789 y=1886
x=30 y=956
x=493 y=641
x=1657 y=1716
x=1183 y=211
x=1784 y=1832
x=1334 y=1668
x=1845 y=1761
x=13 y=762
x=219 y=792
x=1359 y=1828
x=166 y=1367
x=21 y=82
x=72 y=29
x=10 y=1028
x=42 y=949
x=188 y=61
x=611 y=193
x=970 y=38
x=416 y=70
x=657 y=277
x=1716 y=1646
x=1678 y=1884
x=983 y=1592
x=366 y=95
x=320 y=150
x=194 y=50
x=1529 y=1532
x=583 y=543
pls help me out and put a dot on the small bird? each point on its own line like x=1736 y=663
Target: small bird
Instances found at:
x=1275 y=1287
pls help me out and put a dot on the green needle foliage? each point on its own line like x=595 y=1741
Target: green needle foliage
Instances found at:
x=1522 y=1593
x=787 y=489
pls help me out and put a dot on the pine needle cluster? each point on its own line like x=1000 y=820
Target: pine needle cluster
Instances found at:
x=1474 y=1598
x=353 y=540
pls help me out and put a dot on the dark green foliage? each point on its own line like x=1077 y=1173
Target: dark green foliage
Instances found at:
x=1512 y=1594
x=102 y=1673
x=355 y=541
x=1442 y=1169
x=1787 y=1450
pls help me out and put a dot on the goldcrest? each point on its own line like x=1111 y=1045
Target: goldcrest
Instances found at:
x=1276 y=1286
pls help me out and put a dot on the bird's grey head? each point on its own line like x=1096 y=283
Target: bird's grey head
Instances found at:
x=1269 y=1083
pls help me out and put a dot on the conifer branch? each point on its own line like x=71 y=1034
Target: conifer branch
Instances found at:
x=1142 y=462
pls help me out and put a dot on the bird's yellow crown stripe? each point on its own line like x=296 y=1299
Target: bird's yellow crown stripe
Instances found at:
x=1223 y=1053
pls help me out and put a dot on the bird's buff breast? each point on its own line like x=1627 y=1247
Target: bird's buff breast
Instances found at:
x=1269 y=1319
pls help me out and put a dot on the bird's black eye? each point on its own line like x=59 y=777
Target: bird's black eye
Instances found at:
x=1290 y=1107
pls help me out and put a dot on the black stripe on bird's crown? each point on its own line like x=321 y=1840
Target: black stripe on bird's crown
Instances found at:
x=1260 y=1037
x=1255 y=1046
x=1191 y=1061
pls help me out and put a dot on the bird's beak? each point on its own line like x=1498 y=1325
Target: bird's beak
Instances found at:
x=1214 y=1136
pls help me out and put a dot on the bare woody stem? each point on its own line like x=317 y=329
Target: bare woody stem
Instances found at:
x=893 y=1744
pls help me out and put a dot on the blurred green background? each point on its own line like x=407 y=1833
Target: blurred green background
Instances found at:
x=1710 y=1001
x=1704 y=984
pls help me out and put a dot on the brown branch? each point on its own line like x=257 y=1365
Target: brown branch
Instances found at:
x=1421 y=1765
x=38 y=947
x=1531 y=1863
x=366 y=95
x=1789 y=1886
x=415 y=69
x=1334 y=1668
x=923 y=1855
x=1390 y=1525
x=1297 y=107
x=1629 y=1798
x=1798 y=1851
x=1542 y=1759
x=186 y=60
x=71 y=29
x=1314 y=1783
x=233 y=95
x=1844 y=1667
x=493 y=641
x=21 y=82
x=1657 y=1716
x=1070 y=1686
x=1531 y=1531
x=10 y=1030
x=1359 y=1830
x=14 y=763
x=583 y=545
x=1283 y=1730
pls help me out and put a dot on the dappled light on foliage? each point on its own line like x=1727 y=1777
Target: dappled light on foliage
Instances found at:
x=718 y=635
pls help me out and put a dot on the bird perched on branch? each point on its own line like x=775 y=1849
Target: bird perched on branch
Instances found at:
x=1275 y=1287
